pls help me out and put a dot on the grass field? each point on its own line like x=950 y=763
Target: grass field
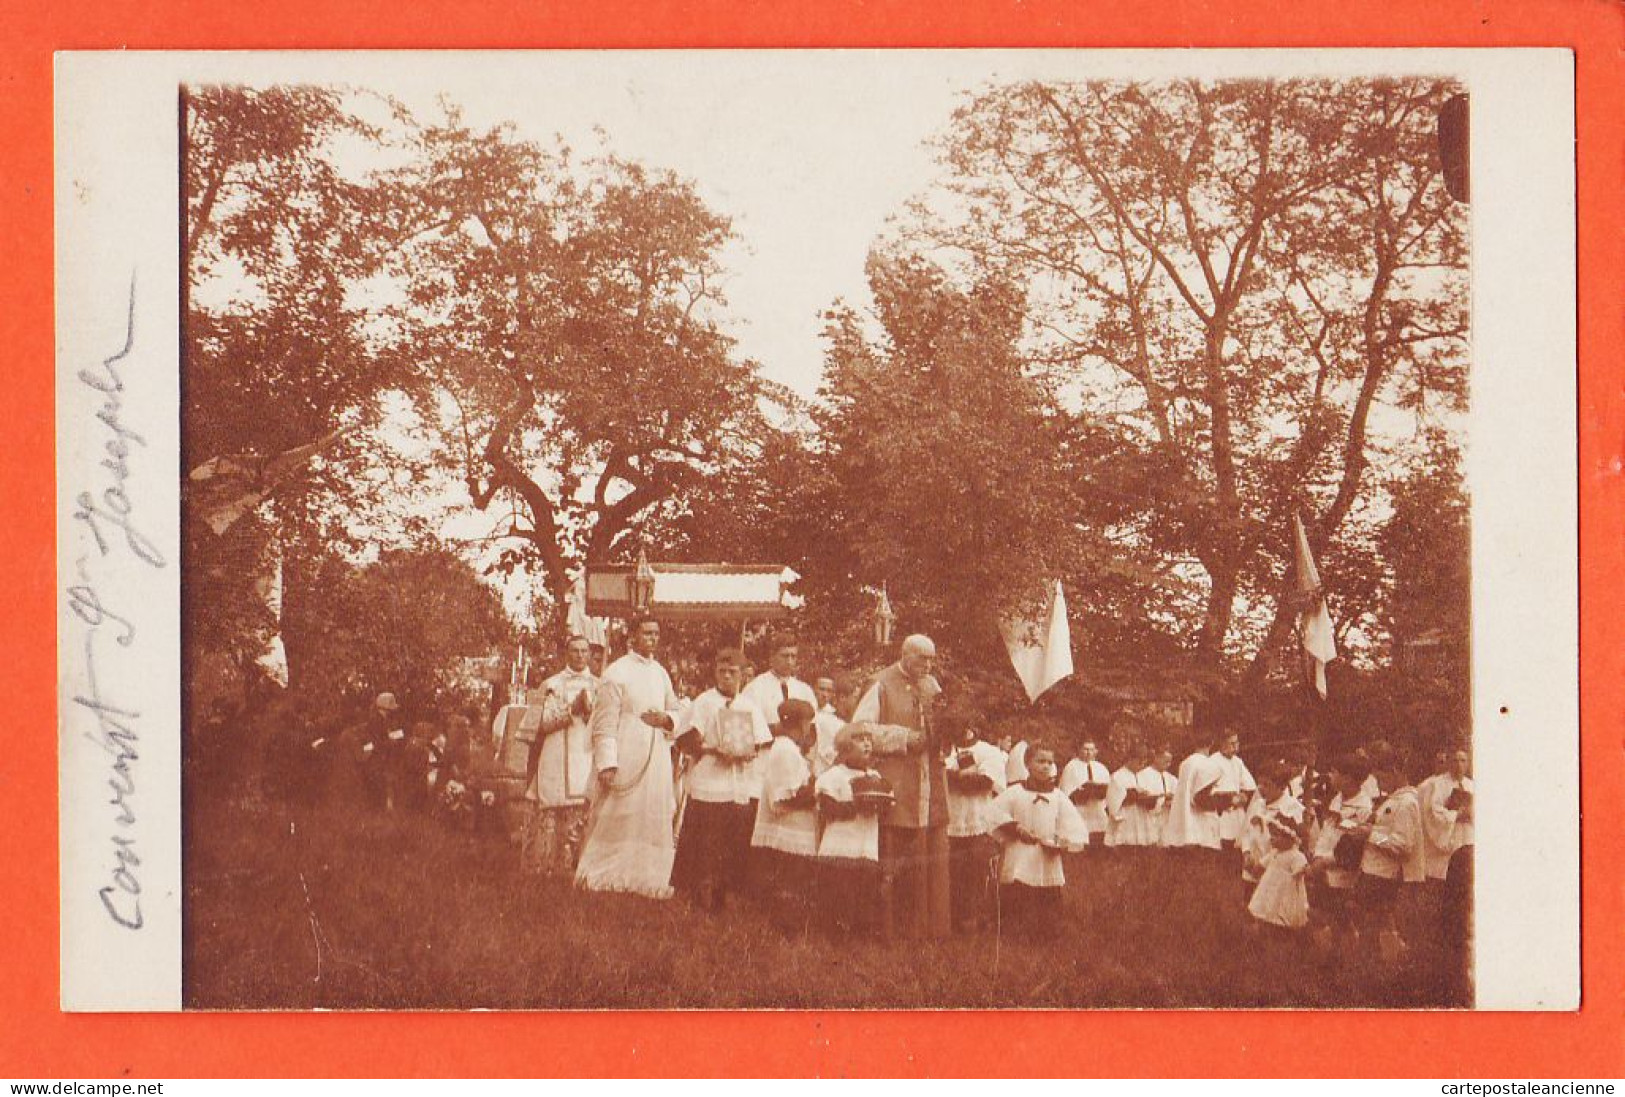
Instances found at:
x=299 y=908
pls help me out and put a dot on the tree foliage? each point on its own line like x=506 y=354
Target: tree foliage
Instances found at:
x=568 y=312
x=276 y=239
x=277 y=368
x=1135 y=328
x=1427 y=545
x=400 y=624
x=1245 y=276
x=939 y=468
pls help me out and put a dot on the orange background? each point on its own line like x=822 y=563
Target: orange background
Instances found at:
x=36 y=1040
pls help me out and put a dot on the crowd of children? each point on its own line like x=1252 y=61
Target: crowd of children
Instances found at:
x=814 y=828
x=781 y=802
x=787 y=811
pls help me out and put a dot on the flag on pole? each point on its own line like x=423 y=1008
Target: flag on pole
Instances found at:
x=226 y=487
x=273 y=654
x=1041 y=649
x=1314 y=621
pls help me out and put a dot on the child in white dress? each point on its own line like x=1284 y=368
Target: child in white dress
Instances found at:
x=849 y=839
x=975 y=777
x=1036 y=823
x=784 y=842
x=1282 y=896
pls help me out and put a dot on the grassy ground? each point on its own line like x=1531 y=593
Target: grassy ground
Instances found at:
x=299 y=908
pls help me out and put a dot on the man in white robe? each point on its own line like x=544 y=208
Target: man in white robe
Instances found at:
x=1447 y=827
x=629 y=842
x=778 y=683
x=560 y=764
x=1127 y=814
x=1447 y=814
x=1086 y=780
x=1157 y=790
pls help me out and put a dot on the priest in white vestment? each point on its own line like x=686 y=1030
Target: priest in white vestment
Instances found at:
x=629 y=842
x=560 y=765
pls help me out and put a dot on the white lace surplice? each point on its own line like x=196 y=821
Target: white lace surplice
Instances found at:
x=629 y=844
x=789 y=830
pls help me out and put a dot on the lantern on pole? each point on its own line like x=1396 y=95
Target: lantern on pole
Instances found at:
x=643 y=584
x=884 y=618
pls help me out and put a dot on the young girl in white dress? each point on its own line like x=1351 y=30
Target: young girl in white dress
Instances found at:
x=784 y=843
x=1282 y=896
x=849 y=836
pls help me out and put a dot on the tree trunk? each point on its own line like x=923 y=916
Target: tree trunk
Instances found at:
x=1224 y=568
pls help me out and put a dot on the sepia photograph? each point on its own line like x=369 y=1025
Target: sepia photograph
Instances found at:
x=786 y=542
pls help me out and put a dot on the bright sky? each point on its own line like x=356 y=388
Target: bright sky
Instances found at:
x=808 y=161
x=808 y=155
x=809 y=152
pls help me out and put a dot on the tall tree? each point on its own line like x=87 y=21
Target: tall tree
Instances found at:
x=278 y=372
x=1426 y=543
x=935 y=472
x=276 y=237
x=569 y=312
x=401 y=623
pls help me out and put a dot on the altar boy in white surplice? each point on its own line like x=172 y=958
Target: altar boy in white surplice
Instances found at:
x=629 y=844
x=1235 y=787
x=1036 y=823
x=1447 y=816
x=724 y=732
x=975 y=771
x=784 y=840
x=1447 y=824
x=1086 y=780
x=1128 y=811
